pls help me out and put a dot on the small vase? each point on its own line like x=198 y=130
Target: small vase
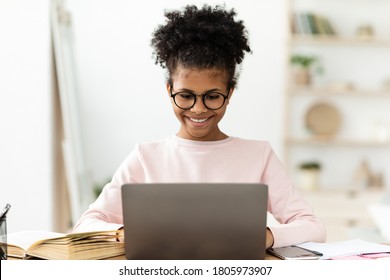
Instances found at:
x=309 y=179
x=302 y=77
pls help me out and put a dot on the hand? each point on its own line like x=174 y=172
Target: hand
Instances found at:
x=120 y=235
x=269 y=239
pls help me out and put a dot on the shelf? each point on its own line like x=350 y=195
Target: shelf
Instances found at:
x=324 y=91
x=338 y=41
x=338 y=142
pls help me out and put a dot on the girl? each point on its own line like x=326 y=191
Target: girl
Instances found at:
x=200 y=48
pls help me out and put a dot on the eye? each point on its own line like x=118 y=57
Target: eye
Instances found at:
x=213 y=95
x=185 y=96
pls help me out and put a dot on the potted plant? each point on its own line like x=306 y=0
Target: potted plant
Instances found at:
x=309 y=175
x=302 y=69
x=98 y=186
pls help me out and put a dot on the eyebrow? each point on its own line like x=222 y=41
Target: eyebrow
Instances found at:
x=207 y=91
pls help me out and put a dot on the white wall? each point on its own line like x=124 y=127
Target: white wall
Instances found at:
x=122 y=91
x=25 y=114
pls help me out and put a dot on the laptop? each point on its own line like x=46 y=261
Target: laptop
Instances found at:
x=194 y=221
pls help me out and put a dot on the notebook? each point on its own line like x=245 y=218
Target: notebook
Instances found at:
x=190 y=221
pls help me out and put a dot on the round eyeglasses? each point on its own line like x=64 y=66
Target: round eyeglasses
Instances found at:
x=211 y=100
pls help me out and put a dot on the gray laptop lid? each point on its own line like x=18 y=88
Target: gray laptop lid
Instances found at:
x=194 y=221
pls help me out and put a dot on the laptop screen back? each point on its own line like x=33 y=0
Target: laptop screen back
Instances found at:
x=195 y=221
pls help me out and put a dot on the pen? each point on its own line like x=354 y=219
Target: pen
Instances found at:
x=3 y=256
x=5 y=211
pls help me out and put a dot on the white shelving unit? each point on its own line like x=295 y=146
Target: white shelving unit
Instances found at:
x=364 y=132
x=355 y=82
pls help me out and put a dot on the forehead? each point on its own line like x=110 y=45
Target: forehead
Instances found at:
x=195 y=76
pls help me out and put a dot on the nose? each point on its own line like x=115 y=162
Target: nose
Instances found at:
x=199 y=107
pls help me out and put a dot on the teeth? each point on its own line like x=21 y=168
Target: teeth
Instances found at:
x=199 y=120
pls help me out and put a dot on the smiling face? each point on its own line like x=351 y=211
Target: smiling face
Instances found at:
x=199 y=123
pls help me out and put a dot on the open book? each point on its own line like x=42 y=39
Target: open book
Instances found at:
x=59 y=246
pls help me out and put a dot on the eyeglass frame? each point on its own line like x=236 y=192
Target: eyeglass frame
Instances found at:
x=203 y=95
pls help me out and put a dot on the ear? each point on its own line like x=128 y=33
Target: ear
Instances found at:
x=168 y=89
x=230 y=95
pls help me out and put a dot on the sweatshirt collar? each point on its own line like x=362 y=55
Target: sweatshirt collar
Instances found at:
x=200 y=143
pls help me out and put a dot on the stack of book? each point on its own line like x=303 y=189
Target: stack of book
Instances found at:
x=307 y=23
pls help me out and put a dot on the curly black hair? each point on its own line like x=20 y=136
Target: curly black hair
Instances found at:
x=203 y=38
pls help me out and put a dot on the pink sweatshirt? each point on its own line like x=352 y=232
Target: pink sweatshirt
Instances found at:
x=232 y=160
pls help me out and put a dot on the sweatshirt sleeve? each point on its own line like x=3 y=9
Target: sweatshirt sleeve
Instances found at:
x=297 y=221
x=106 y=212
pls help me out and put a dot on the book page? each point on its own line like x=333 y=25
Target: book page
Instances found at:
x=53 y=245
x=24 y=239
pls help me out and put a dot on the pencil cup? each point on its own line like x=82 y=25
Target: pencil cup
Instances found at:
x=3 y=238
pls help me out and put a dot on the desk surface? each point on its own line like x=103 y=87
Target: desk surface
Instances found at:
x=122 y=257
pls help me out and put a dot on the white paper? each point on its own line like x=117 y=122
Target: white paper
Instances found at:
x=345 y=248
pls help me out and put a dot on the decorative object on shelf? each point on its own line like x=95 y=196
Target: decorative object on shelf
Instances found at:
x=309 y=175
x=323 y=120
x=365 y=32
x=364 y=177
x=303 y=66
x=377 y=180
